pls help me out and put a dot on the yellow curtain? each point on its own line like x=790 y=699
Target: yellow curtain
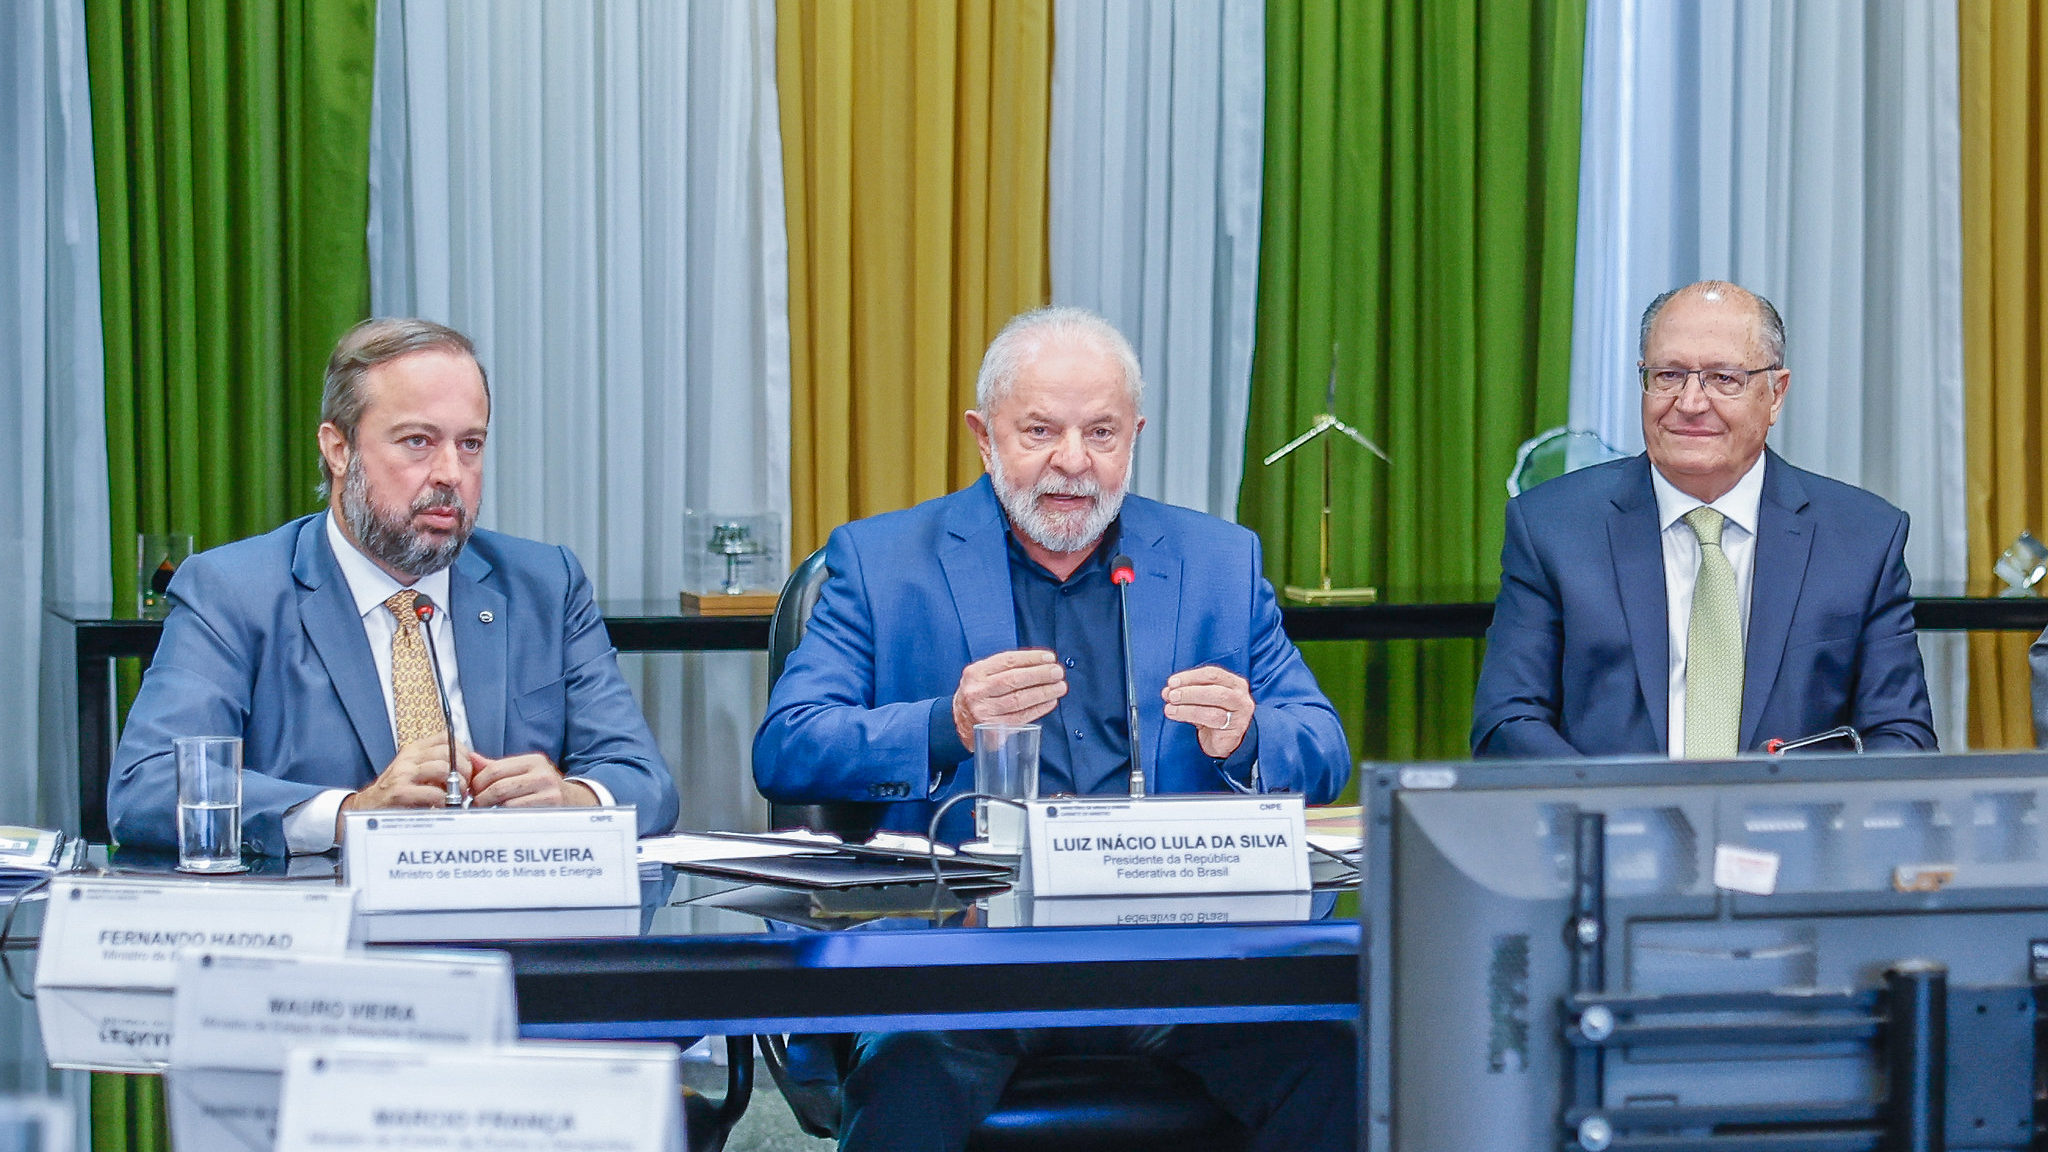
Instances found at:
x=2004 y=73
x=914 y=140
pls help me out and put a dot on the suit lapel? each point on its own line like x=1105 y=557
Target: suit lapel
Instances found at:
x=1784 y=539
x=480 y=650
x=1155 y=618
x=327 y=611
x=1635 y=540
x=977 y=567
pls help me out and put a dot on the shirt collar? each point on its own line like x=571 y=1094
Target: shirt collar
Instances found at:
x=1739 y=504
x=370 y=585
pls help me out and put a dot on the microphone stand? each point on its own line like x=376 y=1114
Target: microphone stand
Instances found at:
x=1780 y=747
x=1121 y=573
x=455 y=798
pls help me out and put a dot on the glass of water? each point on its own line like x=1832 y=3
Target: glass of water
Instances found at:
x=209 y=804
x=1005 y=764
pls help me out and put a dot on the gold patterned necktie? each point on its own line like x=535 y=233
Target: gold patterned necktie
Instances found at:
x=1713 y=648
x=415 y=705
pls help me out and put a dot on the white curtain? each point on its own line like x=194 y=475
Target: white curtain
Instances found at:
x=53 y=444
x=593 y=192
x=1810 y=152
x=53 y=441
x=1158 y=126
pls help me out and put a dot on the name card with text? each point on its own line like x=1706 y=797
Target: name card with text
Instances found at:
x=1016 y=908
x=498 y=858
x=1171 y=844
x=236 y=1016
x=531 y=1097
x=110 y=948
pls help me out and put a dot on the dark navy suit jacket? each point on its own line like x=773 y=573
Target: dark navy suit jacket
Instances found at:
x=264 y=643
x=915 y=596
x=1578 y=657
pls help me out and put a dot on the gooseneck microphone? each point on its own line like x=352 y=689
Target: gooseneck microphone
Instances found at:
x=1776 y=747
x=1121 y=573
x=455 y=798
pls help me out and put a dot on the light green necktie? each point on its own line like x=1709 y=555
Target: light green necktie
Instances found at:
x=1713 y=648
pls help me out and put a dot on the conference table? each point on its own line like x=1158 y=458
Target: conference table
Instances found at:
x=706 y=956
x=99 y=638
x=710 y=956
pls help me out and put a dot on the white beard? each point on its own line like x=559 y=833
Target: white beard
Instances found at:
x=1058 y=531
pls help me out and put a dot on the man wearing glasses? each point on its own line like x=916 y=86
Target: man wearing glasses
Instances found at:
x=1705 y=598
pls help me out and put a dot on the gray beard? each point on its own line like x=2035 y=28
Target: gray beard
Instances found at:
x=390 y=540
x=1055 y=532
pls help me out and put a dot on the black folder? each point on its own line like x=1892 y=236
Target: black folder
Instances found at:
x=850 y=866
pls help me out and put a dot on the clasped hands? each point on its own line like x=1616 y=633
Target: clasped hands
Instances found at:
x=1019 y=686
x=418 y=778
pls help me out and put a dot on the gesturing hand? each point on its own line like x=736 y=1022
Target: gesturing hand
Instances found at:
x=1014 y=687
x=1218 y=702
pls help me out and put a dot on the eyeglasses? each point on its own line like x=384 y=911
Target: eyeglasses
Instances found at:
x=1727 y=383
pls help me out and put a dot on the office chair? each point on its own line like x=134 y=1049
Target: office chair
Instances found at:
x=708 y=1123
x=1072 y=1103
x=851 y=821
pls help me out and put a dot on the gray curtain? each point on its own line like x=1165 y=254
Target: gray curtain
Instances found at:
x=53 y=451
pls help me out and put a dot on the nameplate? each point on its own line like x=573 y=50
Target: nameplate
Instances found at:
x=110 y=948
x=1177 y=844
x=533 y=1097
x=440 y=926
x=495 y=858
x=236 y=1015
x=1013 y=909
x=245 y=1009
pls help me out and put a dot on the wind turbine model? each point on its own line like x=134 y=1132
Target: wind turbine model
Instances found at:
x=1326 y=421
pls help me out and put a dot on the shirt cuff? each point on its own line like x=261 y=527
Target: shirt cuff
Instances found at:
x=603 y=794
x=1241 y=768
x=947 y=752
x=309 y=825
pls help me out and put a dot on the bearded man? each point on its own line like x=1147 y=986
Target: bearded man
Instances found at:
x=995 y=604
x=312 y=642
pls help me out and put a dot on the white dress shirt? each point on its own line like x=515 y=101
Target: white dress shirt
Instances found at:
x=1739 y=507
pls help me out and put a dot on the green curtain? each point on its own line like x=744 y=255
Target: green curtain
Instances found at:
x=232 y=142
x=231 y=139
x=1421 y=196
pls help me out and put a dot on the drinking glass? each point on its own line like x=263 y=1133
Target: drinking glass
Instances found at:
x=1005 y=764
x=209 y=803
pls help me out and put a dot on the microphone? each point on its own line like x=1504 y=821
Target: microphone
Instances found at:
x=1775 y=747
x=1121 y=573
x=455 y=799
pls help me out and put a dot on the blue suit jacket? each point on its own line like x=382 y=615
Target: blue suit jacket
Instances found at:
x=915 y=596
x=1578 y=657
x=264 y=642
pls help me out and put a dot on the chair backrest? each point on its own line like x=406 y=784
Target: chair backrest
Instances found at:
x=851 y=820
x=793 y=610
x=1548 y=455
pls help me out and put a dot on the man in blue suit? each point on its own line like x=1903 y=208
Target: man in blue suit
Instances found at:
x=311 y=642
x=996 y=604
x=1704 y=598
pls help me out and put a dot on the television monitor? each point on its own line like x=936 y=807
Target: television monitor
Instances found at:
x=1823 y=953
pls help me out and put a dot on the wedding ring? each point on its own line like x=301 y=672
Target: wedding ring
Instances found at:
x=1229 y=718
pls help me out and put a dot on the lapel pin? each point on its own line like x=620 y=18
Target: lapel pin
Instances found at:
x=485 y=617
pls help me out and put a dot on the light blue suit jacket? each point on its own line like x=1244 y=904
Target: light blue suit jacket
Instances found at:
x=1578 y=657
x=917 y=595
x=264 y=643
